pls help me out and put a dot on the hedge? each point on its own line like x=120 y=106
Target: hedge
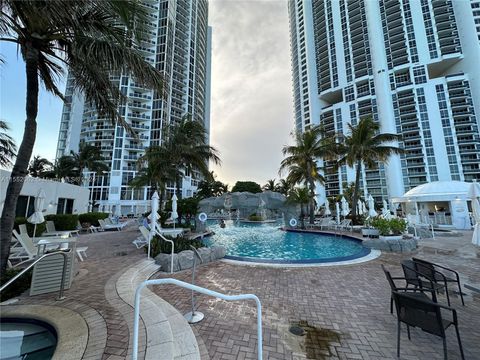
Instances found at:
x=63 y=221
x=41 y=228
x=92 y=218
x=22 y=284
x=158 y=246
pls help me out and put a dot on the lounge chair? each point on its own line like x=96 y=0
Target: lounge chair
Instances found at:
x=436 y=273
x=52 y=231
x=345 y=225
x=142 y=240
x=106 y=226
x=23 y=249
x=426 y=315
x=109 y=221
x=417 y=293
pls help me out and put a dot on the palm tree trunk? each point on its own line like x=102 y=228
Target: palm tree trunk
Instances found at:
x=20 y=169
x=356 y=190
x=312 y=202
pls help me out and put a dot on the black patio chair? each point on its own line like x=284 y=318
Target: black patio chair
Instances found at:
x=436 y=273
x=419 y=280
x=426 y=315
x=420 y=293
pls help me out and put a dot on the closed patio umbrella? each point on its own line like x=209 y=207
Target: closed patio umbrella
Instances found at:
x=385 y=211
x=345 y=208
x=37 y=216
x=364 y=208
x=359 y=207
x=327 y=208
x=474 y=195
x=337 y=209
x=153 y=219
x=174 y=209
x=371 y=207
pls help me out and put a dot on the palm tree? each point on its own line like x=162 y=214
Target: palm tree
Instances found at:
x=88 y=157
x=7 y=145
x=188 y=150
x=302 y=197
x=364 y=145
x=284 y=187
x=93 y=39
x=271 y=185
x=39 y=166
x=155 y=170
x=302 y=160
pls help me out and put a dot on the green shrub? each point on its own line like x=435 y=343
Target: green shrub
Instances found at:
x=63 y=221
x=386 y=227
x=18 y=287
x=398 y=226
x=92 y=218
x=255 y=217
x=158 y=245
x=41 y=228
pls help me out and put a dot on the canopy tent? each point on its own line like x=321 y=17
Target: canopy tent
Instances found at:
x=443 y=203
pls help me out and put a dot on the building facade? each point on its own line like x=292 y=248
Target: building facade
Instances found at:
x=411 y=65
x=178 y=43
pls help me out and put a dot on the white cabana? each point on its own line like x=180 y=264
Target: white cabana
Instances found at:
x=345 y=207
x=359 y=207
x=174 y=209
x=337 y=210
x=441 y=203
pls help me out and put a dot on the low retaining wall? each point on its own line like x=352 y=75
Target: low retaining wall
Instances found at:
x=184 y=259
x=394 y=245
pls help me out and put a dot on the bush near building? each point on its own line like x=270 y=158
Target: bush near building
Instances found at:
x=92 y=218
x=41 y=228
x=158 y=245
x=63 y=221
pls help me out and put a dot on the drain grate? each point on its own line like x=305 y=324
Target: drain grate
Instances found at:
x=296 y=330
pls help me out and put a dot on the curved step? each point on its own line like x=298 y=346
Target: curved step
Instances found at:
x=167 y=332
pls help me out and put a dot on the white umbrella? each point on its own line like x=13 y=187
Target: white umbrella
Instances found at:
x=371 y=207
x=474 y=195
x=345 y=208
x=174 y=209
x=327 y=208
x=385 y=211
x=337 y=209
x=364 y=208
x=153 y=219
x=359 y=207
x=37 y=216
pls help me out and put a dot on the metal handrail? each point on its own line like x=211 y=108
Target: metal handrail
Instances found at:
x=62 y=284
x=173 y=248
x=202 y=291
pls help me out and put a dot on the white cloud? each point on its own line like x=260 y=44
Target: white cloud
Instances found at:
x=252 y=113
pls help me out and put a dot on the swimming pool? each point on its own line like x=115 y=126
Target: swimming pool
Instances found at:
x=266 y=243
x=26 y=339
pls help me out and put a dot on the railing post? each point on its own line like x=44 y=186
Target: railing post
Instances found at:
x=62 y=284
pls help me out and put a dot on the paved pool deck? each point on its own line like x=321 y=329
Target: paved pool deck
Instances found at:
x=344 y=308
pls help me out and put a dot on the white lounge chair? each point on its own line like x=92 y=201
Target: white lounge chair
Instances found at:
x=142 y=240
x=106 y=227
x=52 y=231
x=23 y=249
x=345 y=225
x=109 y=221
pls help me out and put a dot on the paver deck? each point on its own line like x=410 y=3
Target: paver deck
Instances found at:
x=346 y=307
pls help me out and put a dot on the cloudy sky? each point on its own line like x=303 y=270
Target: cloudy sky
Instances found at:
x=251 y=104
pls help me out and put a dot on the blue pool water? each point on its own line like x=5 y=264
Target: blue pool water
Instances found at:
x=25 y=339
x=266 y=243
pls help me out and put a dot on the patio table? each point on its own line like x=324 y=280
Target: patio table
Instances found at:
x=42 y=244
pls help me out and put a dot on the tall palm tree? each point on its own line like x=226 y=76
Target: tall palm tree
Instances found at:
x=63 y=168
x=7 y=145
x=365 y=145
x=88 y=157
x=188 y=150
x=93 y=39
x=271 y=185
x=301 y=160
x=285 y=186
x=155 y=170
x=39 y=166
